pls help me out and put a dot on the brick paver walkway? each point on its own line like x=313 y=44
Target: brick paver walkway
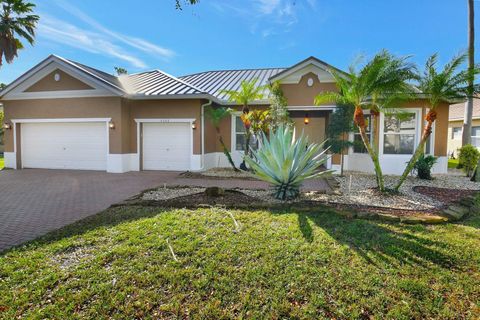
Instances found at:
x=34 y=201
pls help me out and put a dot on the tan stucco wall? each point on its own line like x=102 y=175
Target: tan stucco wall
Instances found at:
x=301 y=94
x=455 y=144
x=187 y=109
x=110 y=107
x=66 y=82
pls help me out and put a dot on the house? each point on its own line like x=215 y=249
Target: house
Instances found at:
x=455 y=126
x=64 y=115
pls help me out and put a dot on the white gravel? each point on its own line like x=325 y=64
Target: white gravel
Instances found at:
x=170 y=193
x=227 y=173
x=361 y=192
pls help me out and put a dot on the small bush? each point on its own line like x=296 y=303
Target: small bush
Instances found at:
x=424 y=165
x=467 y=158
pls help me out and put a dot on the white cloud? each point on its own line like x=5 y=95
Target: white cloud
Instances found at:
x=268 y=6
x=62 y=32
x=134 y=42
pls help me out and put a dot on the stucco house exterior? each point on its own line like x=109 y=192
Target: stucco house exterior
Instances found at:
x=64 y=115
x=455 y=126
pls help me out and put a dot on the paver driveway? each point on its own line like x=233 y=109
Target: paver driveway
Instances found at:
x=34 y=201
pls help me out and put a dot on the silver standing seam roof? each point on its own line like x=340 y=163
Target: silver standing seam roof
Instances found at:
x=213 y=82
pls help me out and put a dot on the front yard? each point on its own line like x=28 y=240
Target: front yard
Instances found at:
x=273 y=265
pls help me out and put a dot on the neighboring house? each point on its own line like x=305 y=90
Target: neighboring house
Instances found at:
x=65 y=115
x=455 y=126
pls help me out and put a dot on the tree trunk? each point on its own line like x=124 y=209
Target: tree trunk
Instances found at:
x=359 y=120
x=467 y=121
x=430 y=118
x=227 y=154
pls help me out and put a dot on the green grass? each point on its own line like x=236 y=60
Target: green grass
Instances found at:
x=452 y=163
x=280 y=265
x=2 y=163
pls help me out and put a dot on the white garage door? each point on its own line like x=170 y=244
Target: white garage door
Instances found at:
x=81 y=146
x=166 y=146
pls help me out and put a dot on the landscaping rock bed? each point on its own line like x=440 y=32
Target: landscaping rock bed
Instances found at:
x=360 y=190
x=420 y=201
x=219 y=173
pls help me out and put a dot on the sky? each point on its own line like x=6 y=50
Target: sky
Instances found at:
x=238 y=34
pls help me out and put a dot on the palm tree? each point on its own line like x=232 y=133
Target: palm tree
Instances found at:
x=446 y=85
x=248 y=92
x=16 y=22
x=467 y=123
x=376 y=86
x=216 y=115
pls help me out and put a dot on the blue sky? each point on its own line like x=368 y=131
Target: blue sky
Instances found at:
x=223 y=34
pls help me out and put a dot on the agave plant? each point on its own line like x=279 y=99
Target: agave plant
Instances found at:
x=285 y=162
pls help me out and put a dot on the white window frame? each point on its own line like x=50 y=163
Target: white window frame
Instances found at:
x=453 y=135
x=418 y=128
x=474 y=137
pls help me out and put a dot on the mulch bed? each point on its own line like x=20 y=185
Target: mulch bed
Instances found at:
x=444 y=195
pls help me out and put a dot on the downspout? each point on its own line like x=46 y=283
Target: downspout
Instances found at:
x=202 y=121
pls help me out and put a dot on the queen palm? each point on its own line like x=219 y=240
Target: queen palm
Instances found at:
x=248 y=92
x=16 y=22
x=439 y=86
x=374 y=87
x=216 y=115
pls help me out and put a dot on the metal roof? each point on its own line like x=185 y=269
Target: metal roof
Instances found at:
x=156 y=83
x=213 y=82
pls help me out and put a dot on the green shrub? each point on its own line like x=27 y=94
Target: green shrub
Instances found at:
x=286 y=162
x=424 y=165
x=467 y=158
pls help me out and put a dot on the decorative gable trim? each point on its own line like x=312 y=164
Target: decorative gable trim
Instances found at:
x=294 y=74
x=16 y=90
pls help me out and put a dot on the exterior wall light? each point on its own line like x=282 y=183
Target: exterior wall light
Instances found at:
x=111 y=125
x=306 y=120
x=7 y=126
x=194 y=125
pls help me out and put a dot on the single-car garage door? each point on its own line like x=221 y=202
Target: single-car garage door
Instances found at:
x=167 y=146
x=81 y=145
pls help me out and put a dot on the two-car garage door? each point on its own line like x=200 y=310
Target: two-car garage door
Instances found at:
x=84 y=145
x=64 y=145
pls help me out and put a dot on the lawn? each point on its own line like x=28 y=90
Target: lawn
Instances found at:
x=452 y=163
x=276 y=265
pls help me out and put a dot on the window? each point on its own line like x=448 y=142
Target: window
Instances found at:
x=457 y=133
x=476 y=136
x=240 y=136
x=399 y=133
x=358 y=146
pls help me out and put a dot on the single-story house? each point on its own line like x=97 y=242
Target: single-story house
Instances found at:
x=455 y=126
x=65 y=115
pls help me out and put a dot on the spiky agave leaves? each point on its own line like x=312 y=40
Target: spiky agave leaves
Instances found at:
x=286 y=162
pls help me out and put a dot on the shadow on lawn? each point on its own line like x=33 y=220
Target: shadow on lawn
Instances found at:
x=378 y=243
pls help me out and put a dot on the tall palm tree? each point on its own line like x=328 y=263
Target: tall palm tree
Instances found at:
x=374 y=87
x=447 y=85
x=467 y=123
x=15 y=22
x=216 y=115
x=248 y=92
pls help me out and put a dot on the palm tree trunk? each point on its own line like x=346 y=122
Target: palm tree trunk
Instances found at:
x=430 y=118
x=225 y=150
x=467 y=121
x=359 y=120
x=227 y=154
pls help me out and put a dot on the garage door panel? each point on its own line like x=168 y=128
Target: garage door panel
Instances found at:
x=166 y=146
x=80 y=146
